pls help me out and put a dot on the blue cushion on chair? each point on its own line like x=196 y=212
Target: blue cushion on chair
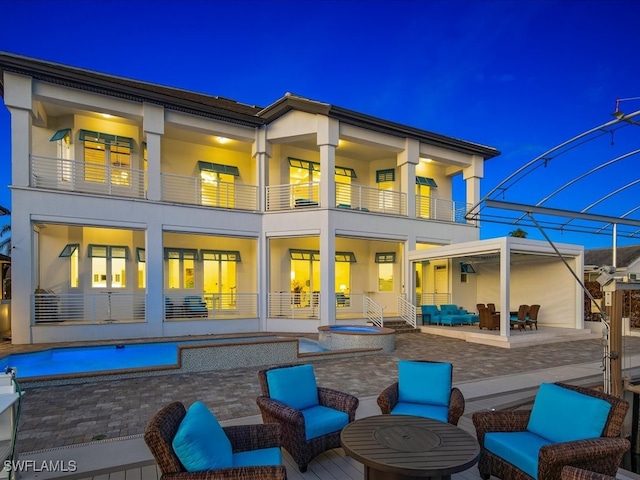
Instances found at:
x=518 y=448
x=564 y=415
x=321 y=420
x=293 y=386
x=200 y=442
x=424 y=382
x=258 y=458
x=436 y=412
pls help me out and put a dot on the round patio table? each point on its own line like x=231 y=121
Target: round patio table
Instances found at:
x=404 y=447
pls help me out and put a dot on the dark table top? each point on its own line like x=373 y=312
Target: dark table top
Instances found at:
x=410 y=445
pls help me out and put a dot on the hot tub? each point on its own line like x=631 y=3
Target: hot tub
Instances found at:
x=341 y=337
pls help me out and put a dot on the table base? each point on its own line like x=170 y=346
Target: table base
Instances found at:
x=373 y=474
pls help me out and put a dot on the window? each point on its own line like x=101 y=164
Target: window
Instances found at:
x=107 y=157
x=423 y=196
x=141 y=256
x=386 y=198
x=108 y=266
x=217 y=187
x=70 y=251
x=63 y=144
x=219 y=271
x=181 y=264
x=385 y=261
x=343 y=274
x=308 y=173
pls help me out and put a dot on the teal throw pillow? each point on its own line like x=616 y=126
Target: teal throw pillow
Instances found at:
x=294 y=386
x=424 y=382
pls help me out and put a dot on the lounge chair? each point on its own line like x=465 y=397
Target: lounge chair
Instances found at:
x=574 y=473
x=193 y=446
x=423 y=389
x=532 y=316
x=430 y=314
x=194 y=306
x=568 y=425
x=311 y=417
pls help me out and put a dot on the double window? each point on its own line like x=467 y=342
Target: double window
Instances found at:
x=107 y=158
x=108 y=266
x=218 y=189
x=181 y=267
x=385 y=261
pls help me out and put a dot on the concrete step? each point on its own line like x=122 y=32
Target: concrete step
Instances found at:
x=400 y=326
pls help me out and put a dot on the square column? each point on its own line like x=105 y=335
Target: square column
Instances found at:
x=153 y=125
x=327 y=140
x=327 y=273
x=407 y=161
x=505 y=290
x=154 y=253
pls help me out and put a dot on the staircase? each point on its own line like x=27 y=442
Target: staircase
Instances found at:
x=399 y=325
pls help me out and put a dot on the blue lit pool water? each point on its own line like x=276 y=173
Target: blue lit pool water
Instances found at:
x=70 y=360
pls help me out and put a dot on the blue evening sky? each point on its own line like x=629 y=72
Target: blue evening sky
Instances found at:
x=521 y=76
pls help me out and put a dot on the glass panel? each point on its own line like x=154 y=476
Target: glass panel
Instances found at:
x=120 y=165
x=385 y=277
x=173 y=273
x=118 y=273
x=189 y=273
x=343 y=278
x=142 y=275
x=98 y=272
x=423 y=194
x=95 y=162
x=218 y=189
x=119 y=252
x=98 y=251
x=73 y=269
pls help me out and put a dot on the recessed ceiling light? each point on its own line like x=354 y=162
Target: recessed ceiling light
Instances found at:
x=426 y=160
x=222 y=139
x=106 y=115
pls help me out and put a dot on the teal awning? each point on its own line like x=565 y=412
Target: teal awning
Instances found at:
x=466 y=268
x=304 y=254
x=108 y=251
x=315 y=166
x=141 y=255
x=60 y=134
x=429 y=182
x=180 y=253
x=349 y=257
x=218 y=168
x=106 y=138
x=386 y=257
x=388 y=175
x=68 y=250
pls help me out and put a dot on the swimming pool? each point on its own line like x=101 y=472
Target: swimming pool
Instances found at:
x=113 y=358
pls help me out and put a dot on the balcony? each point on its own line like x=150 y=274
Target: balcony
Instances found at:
x=442 y=209
x=80 y=176
x=209 y=306
x=293 y=196
x=370 y=199
x=196 y=191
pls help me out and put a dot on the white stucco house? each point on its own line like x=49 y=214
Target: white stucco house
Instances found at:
x=141 y=210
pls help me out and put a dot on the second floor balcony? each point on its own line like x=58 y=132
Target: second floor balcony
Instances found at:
x=199 y=191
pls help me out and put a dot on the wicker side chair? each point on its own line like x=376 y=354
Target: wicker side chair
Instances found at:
x=573 y=473
x=292 y=420
x=601 y=455
x=390 y=396
x=164 y=425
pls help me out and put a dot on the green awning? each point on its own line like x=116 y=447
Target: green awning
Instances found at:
x=218 y=168
x=68 y=250
x=429 y=182
x=349 y=257
x=60 y=134
x=315 y=166
x=106 y=138
x=180 y=253
x=141 y=255
x=467 y=268
x=108 y=251
x=304 y=254
x=221 y=255
x=388 y=175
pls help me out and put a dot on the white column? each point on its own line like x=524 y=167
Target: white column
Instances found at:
x=153 y=125
x=328 y=133
x=22 y=281
x=154 y=252
x=407 y=161
x=472 y=176
x=505 y=292
x=328 y=275
x=261 y=151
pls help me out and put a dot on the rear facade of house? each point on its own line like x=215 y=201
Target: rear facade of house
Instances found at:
x=140 y=210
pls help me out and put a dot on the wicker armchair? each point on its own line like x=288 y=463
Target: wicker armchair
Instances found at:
x=162 y=429
x=488 y=320
x=292 y=420
x=573 y=473
x=601 y=455
x=390 y=396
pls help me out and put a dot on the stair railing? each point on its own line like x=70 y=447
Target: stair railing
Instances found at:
x=373 y=312
x=407 y=311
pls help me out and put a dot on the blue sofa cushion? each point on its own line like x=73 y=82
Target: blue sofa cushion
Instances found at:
x=200 y=442
x=424 y=382
x=449 y=309
x=321 y=420
x=518 y=448
x=434 y=412
x=258 y=458
x=564 y=415
x=294 y=386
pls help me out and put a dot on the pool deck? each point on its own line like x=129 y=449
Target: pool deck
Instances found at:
x=58 y=423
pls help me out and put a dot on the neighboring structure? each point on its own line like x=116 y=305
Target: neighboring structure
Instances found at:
x=140 y=210
x=626 y=262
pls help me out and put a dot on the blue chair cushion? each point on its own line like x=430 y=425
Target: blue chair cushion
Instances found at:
x=518 y=448
x=564 y=415
x=200 y=442
x=258 y=458
x=449 y=309
x=294 y=386
x=434 y=412
x=424 y=382
x=321 y=420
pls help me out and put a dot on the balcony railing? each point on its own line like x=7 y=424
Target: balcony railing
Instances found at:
x=209 y=306
x=196 y=191
x=288 y=197
x=370 y=199
x=294 y=305
x=88 y=308
x=441 y=209
x=80 y=176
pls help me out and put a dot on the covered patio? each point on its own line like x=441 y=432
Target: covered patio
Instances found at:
x=508 y=272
